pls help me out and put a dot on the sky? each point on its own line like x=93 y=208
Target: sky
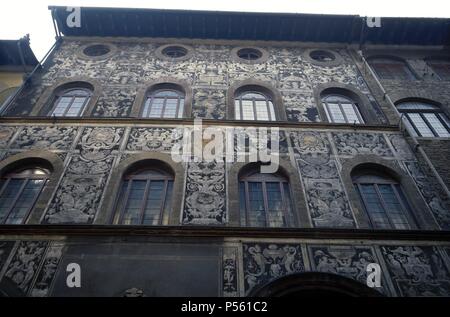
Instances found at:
x=20 y=17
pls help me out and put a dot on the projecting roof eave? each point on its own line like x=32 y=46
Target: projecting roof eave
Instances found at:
x=126 y=22
x=10 y=55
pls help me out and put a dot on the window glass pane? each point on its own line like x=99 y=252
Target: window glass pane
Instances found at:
x=154 y=203
x=272 y=111
x=350 y=113
x=254 y=95
x=25 y=201
x=394 y=208
x=242 y=202
x=274 y=204
x=421 y=125
x=132 y=214
x=374 y=207
x=61 y=106
x=181 y=109
x=171 y=108
x=166 y=93
x=237 y=109
x=262 y=112
x=335 y=113
x=445 y=118
x=145 y=112
x=7 y=197
x=416 y=105
x=75 y=107
x=256 y=214
x=247 y=110
x=168 y=202
x=437 y=125
x=156 y=107
x=288 y=203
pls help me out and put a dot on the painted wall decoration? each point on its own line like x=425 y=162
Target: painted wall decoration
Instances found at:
x=45 y=277
x=264 y=262
x=5 y=250
x=24 y=265
x=49 y=137
x=230 y=276
x=327 y=201
x=210 y=70
x=6 y=133
x=80 y=191
x=205 y=194
x=154 y=139
x=417 y=270
x=361 y=143
x=348 y=261
x=209 y=104
x=439 y=205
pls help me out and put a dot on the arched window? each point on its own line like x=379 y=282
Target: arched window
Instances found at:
x=265 y=200
x=341 y=109
x=383 y=200
x=19 y=191
x=164 y=103
x=426 y=119
x=440 y=67
x=391 y=68
x=254 y=105
x=71 y=102
x=145 y=197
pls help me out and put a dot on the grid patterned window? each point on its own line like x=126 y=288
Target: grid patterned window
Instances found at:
x=391 y=69
x=383 y=201
x=19 y=191
x=441 y=68
x=425 y=119
x=251 y=105
x=164 y=103
x=265 y=200
x=71 y=102
x=340 y=109
x=145 y=198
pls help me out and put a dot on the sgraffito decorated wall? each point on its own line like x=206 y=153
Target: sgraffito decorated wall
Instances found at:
x=86 y=156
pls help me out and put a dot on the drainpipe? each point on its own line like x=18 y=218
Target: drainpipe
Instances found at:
x=416 y=144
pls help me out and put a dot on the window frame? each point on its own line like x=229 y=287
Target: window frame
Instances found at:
x=138 y=175
x=151 y=95
x=249 y=54
x=64 y=94
x=354 y=104
x=25 y=177
x=255 y=177
x=267 y=98
x=375 y=179
x=437 y=111
x=179 y=50
x=386 y=64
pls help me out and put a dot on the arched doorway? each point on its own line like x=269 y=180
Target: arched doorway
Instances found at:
x=314 y=284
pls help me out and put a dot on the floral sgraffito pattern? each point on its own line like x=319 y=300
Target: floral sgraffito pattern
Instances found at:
x=205 y=194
